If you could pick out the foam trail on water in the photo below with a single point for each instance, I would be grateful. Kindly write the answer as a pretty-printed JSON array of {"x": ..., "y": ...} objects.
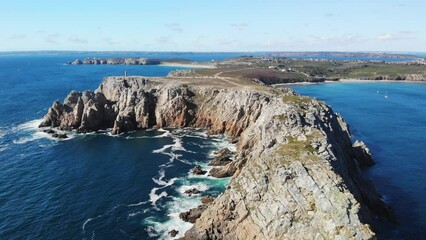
[
  {"x": 2, "y": 133},
  {"x": 31, "y": 132},
  {"x": 89, "y": 220},
  {"x": 4, "y": 147}
]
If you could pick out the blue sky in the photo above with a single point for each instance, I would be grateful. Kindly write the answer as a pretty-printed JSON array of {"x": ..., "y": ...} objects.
[{"x": 213, "y": 25}]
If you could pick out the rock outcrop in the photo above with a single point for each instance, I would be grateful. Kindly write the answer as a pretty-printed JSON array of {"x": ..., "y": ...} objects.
[
  {"x": 223, "y": 157},
  {"x": 117, "y": 61},
  {"x": 295, "y": 174}
]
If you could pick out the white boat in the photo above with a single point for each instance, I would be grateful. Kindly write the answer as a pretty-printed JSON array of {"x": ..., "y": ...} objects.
[{"x": 386, "y": 94}]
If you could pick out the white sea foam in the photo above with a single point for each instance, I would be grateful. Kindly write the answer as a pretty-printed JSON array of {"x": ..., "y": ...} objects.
[
  {"x": 137, "y": 204},
  {"x": 160, "y": 181},
  {"x": 153, "y": 197},
  {"x": 200, "y": 186},
  {"x": 4, "y": 147},
  {"x": 28, "y": 126},
  {"x": 29, "y": 132},
  {"x": 175, "y": 207},
  {"x": 32, "y": 137},
  {"x": 163, "y": 135},
  {"x": 181, "y": 203},
  {"x": 2, "y": 133},
  {"x": 89, "y": 220}
]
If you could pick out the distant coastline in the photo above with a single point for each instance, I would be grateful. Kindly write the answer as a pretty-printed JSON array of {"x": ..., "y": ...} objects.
[{"x": 174, "y": 62}]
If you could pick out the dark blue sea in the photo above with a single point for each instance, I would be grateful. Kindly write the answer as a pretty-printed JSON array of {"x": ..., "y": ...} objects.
[
  {"x": 395, "y": 130},
  {"x": 93, "y": 186}
]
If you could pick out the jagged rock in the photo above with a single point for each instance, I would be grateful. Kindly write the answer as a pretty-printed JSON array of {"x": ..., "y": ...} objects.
[
  {"x": 207, "y": 199},
  {"x": 225, "y": 171},
  {"x": 222, "y": 158},
  {"x": 362, "y": 154},
  {"x": 193, "y": 214},
  {"x": 49, "y": 131},
  {"x": 192, "y": 191},
  {"x": 294, "y": 175},
  {"x": 220, "y": 173},
  {"x": 77, "y": 62},
  {"x": 198, "y": 170},
  {"x": 173, "y": 233},
  {"x": 59, "y": 135},
  {"x": 233, "y": 140}
]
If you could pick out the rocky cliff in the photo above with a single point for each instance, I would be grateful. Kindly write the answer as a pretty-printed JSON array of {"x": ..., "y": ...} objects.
[{"x": 296, "y": 174}]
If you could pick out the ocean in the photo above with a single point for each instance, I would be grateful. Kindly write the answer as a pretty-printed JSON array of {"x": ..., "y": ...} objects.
[
  {"x": 98, "y": 186},
  {"x": 395, "y": 131},
  {"x": 93, "y": 186}
]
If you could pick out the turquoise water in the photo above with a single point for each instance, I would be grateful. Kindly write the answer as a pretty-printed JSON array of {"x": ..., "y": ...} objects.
[
  {"x": 94, "y": 186},
  {"x": 395, "y": 130}
]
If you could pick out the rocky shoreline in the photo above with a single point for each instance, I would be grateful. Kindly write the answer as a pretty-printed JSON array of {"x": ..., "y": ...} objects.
[
  {"x": 295, "y": 174},
  {"x": 126, "y": 61}
]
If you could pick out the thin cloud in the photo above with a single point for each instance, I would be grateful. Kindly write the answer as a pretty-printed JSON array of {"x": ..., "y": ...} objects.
[
  {"x": 163, "y": 39},
  {"x": 199, "y": 41},
  {"x": 77, "y": 40},
  {"x": 385, "y": 37},
  {"x": 401, "y": 35},
  {"x": 52, "y": 38},
  {"x": 239, "y": 26},
  {"x": 18, "y": 36},
  {"x": 110, "y": 41},
  {"x": 174, "y": 27}
]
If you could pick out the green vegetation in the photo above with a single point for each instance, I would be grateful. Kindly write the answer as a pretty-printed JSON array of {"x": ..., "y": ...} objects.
[
  {"x": 253, "y": 72},
  {"x": 389, "y": 71},
  {"x": 297, "y": 99},
  {"x": 295, "y": 150}
]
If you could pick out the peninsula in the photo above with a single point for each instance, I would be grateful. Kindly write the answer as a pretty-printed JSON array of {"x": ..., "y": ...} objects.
[
  {"x": 296, "y": 173},
  {"x": 271, "y": 69}
]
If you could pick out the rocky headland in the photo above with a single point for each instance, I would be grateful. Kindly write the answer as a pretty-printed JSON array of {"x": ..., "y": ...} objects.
[{"x": 295, "y": 175}]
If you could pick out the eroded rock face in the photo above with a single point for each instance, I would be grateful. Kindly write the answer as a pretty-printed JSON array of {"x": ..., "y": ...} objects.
[
  {"x": 362, "y": 154},
  {"x": 223, "y": 157},
  {"x": 193, "y": 214},
  {"x": 295, "y": 173}
]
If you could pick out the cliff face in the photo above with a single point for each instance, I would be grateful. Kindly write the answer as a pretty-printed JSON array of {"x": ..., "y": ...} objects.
[{"x": 297, "y": 175}]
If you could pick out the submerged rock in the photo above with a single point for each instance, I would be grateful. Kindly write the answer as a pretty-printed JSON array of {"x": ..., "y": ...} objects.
[
  {"x": 173, "y": 233},
  {"x": 48, "y": 131},
  {"x": 198, "y": 170},
  {"x": 192, "y": 191},
  {"x": 59, "y": 135}
]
